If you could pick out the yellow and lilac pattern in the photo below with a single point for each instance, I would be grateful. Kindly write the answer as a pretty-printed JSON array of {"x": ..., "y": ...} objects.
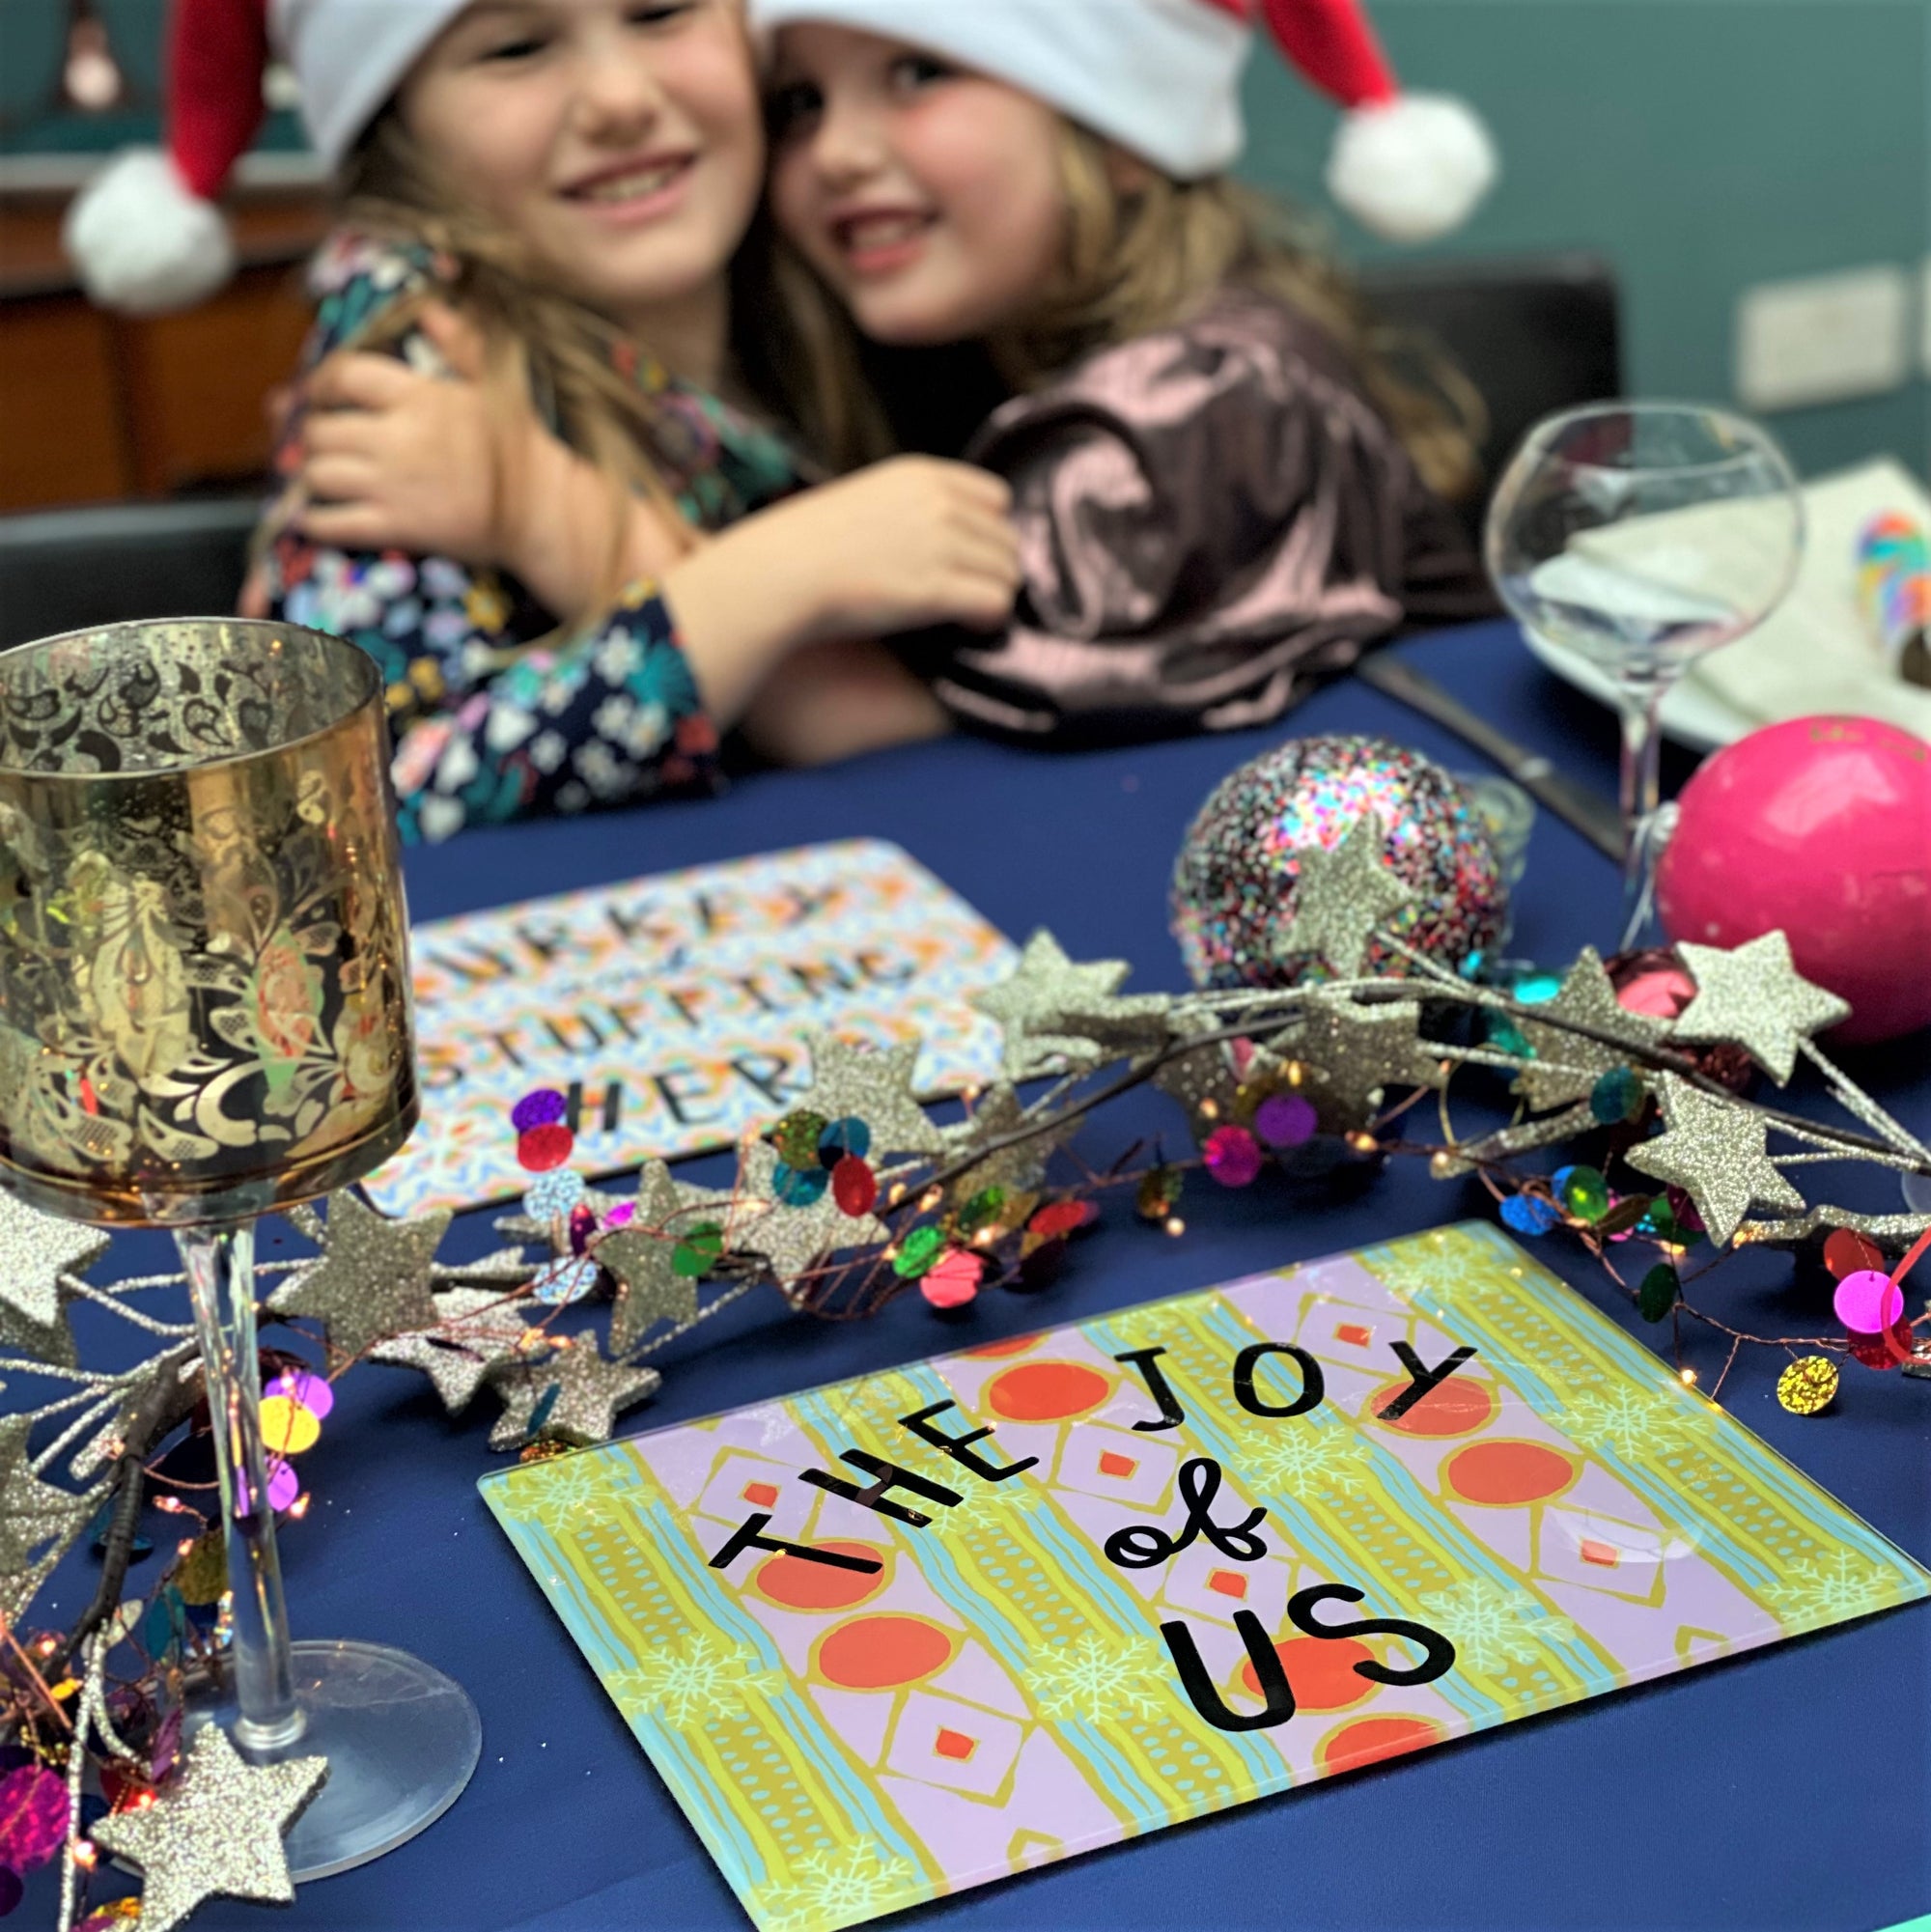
[
  {"x": 998, "y": 1688},
  {"x": 672, "y": 1010}
]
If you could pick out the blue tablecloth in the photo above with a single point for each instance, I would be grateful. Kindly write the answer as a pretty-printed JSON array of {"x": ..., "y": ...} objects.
[{"x": 1788, "y": 1788}]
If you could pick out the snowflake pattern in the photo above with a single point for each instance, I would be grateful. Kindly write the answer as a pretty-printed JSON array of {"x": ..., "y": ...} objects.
[
  {"x": 699, "y": 1678},
  {"x": 566, "y": 1493},
  {"x": 1307, "y": 1464},
  {"x": 1097, "y": 1679},
  {"x": 1844, "y": 1586},
  {"x": 1634, "y": 1423},
  {"x": 835, "y": 1888},
  {"x": 1493, "y": 1626}
]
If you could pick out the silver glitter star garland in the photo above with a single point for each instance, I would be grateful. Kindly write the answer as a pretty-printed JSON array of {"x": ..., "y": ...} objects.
[{"x": 1351, "y": 1046}]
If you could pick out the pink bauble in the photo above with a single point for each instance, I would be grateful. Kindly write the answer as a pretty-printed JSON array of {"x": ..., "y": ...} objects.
[{"x": 1820, "y": 827}]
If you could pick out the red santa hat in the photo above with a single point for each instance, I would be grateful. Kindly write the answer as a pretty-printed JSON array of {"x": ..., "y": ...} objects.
[
  {"x": 1163, "y": 78},
  {"x": 147, "y": 235}
]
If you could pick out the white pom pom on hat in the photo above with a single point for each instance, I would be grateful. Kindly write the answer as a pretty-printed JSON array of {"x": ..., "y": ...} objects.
[
  {"x": 147, "y": 235},
  {"x": 1163, "y": 78}
]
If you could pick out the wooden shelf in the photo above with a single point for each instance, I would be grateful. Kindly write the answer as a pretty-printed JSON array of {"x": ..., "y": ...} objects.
[{"x": 96, "y": 407}]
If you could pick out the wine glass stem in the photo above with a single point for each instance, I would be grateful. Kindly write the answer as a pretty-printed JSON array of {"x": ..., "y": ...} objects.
[
  {"x": 1641, "y": 702},
  {"x": 220, "y": 1265}
]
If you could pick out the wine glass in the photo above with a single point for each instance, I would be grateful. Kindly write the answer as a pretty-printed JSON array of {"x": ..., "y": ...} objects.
[
  {"x": 1640, "y": 535},
  {"x": 204, "y": 1014}
]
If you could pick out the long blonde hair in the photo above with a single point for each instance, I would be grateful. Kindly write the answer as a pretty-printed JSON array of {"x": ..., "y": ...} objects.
[
  {"x": 1144, "y": 251},
  {"x": 548, "y": 347}
]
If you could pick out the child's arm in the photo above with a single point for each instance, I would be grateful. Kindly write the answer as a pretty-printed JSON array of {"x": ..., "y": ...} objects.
[
  {"x": 409, "y": 456},
  {"x": 838, "y": 699},
  {"x": 490, "y": 730}
]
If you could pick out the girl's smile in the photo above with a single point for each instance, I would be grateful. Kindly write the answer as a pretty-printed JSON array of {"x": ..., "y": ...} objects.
[
  {"x": 930, "y": 198},
  {"x": 620, "y": 141}
]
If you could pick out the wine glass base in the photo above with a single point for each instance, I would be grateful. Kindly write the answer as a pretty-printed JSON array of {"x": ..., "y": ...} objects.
[{"x": 401, "y": 1740}]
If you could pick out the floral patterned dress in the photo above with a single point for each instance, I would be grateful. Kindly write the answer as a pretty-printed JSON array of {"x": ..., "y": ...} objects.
[{"x": 487, "y": 725}]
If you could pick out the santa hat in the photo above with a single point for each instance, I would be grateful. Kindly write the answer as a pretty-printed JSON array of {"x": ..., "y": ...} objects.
[
  {"x": 147, "y": 235},
  {"x": 1162, "y": 77}
]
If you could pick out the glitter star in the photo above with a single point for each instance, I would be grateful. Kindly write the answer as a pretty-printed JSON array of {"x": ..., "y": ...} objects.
[
  {"x": 1714, "y": 1150},
  {"x": 794, "y": 1241},
  {"x": 38, "y": 1520},
  {"x": 1017, "y": 1168},
  {"x": 875, "y": 1085},
  {"x": 1342, "y": 897},
  {"x": 1589, "y": 997},
  {"x": 36, "y": 1249},
  {"x": 478, "y": 1329},
  {"x": 213, "y": 1831},
  {"x": 1352, "y": 1054},
  {"x": 1204, "y": 1078},
  {"x": 639, "y": 1258},
  {"x": 1057, "y": 1012},
  {"x": 589, "y": 1394},
  {"x": 1754, "y": 996},
  {"x": 373, "y": 1280}
]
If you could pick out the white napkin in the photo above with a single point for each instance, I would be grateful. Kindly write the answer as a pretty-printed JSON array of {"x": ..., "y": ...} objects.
[{"x": 1815, "y": 652}]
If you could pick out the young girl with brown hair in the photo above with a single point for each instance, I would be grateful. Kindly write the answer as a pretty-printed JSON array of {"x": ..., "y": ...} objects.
[
  {"x": 585, "y": 555},
  {"x": 1225, "y": 485}
]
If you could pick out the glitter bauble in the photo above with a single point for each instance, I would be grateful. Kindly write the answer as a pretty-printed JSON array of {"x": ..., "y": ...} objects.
[{"x": 1236, "y": 881}]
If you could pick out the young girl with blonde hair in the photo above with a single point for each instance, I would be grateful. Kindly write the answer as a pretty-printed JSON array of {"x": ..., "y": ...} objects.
[
  {"x": 529, "y": 469},
  {"x": 1224, "y": 485}
]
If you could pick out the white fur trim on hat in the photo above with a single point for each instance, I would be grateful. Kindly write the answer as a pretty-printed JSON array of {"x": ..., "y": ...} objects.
[
  {"x": 349, "y": 56},
  {"x": 141, "y": 241},
  {"x": 1412, "y": 168},
  {"x": 1164, "y": 81}
]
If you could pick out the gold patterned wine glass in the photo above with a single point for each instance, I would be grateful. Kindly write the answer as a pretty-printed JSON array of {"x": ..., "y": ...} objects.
[{"x": 205, "y": 1015}]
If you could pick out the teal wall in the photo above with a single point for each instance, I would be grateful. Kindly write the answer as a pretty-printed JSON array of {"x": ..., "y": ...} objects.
[{"x": 1699, "y": 144}]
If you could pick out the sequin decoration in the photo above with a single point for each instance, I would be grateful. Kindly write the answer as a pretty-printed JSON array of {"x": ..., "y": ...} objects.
[
  {"x": 1656, "y": 1294},
  {"x": 1867, "y": 1302},
  {"x": 854, "y": 1185},
  {"x": 557, "y": 1192},
  {"x": 953, "y": 1280},
  {"x": 544, "y": 1107},
  {"x": 796, "y": 1138},
  {"x": 1063, "y": 1217},
  {"x": 541, "y": 1148},
  {"x": 1233, "y": 1156},
  {"x": 1585, "y": 1193},
  {"x": 917, "y": 1253},
  {"x": 1529, "y": 1215},
  {"x": 564, "y": 1283},
  {"x": 1618, "y": 1096},
  {"x": 1809, "y": 1385},
  {"x": 1237, "y": 878},
  {"x": 800, "y": 1187},
  {"x": 1845, "y": 1251},
  {"x": 1286, "y": 1120},
  {"x": 849, "y": 1137},
  {"x": 1158, "y": 1194}
]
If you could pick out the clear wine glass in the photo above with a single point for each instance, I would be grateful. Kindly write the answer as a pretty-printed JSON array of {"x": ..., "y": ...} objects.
[
  {"x": 204, "y": 1014},
  {"x": 1642, "y": 534}
]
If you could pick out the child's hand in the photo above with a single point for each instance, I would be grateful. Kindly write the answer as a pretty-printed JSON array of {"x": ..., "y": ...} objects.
[
  {"x": 899, "y": 545},
  {"x": 394, "y": 459},
  {"x": 906, "y": 544}
]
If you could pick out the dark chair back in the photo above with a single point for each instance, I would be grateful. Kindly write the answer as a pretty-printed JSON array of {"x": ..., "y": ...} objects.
[
  {"x": 70, "y": 570},
  {"x": 1533, "y": 335}
]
